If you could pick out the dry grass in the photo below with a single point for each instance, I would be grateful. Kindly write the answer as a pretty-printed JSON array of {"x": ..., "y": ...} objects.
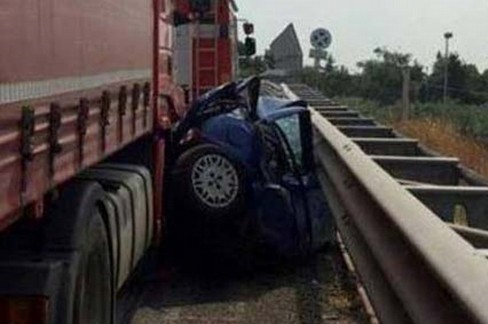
[{"x": 442, "y": 137}]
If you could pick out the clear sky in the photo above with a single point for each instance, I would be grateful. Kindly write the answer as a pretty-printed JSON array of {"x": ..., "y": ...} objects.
[{"x": 359, "y": 26}]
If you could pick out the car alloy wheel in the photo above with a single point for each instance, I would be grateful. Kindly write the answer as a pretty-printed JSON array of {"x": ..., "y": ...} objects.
[{"x": 215, "y": 180}]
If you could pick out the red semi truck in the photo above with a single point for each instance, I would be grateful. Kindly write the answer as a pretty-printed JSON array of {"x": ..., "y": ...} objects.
[{"x": 87, "y": 96}]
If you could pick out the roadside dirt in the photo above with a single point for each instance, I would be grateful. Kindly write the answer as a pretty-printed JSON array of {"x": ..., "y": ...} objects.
[{"x": 319, "y": 291}]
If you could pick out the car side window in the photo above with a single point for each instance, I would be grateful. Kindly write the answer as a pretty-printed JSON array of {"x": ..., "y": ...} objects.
[{"x": 290, "y": 126}]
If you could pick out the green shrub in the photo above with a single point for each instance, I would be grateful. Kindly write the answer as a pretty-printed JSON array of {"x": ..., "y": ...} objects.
[{"x": 469, "y": 120}]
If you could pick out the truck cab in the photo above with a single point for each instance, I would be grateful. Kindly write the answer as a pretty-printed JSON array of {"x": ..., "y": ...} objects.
[{"x": 206, "y": 44}]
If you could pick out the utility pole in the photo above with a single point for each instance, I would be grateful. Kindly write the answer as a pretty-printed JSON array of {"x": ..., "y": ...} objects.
[
  {"x": 406, "y": 94},
  {"x": 447, "y": 36}
]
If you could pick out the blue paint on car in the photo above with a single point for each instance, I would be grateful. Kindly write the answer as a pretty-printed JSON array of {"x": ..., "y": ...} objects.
[{"x": 272, "y": 139}]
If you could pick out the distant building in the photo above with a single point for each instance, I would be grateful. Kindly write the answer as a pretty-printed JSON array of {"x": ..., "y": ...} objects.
[{"x": 286, "y": 51}]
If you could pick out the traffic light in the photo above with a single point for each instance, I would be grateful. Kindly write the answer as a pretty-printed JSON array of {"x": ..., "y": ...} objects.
[
  {"x": 250, "y": 44},
  {"x": 248, "y": 28}
]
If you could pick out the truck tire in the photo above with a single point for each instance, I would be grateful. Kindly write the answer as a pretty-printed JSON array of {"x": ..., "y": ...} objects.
[
  {"x": 76, "y": 232},
  {"x": 210, "y": 185},
  {"x": 93, "y": 291}
]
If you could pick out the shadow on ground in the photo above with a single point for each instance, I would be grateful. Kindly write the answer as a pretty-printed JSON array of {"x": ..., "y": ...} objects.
[{"x": 317, "y": 291}]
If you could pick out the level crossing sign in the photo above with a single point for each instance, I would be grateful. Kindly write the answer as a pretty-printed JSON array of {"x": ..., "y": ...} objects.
[{"x": 320, "y": 40}]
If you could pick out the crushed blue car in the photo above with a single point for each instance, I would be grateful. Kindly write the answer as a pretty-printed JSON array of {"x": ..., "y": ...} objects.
[{"x": 248, "y": 159}]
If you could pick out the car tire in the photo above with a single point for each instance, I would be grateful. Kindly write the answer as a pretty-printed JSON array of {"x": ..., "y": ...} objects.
[{"x": 210, "y": 185}]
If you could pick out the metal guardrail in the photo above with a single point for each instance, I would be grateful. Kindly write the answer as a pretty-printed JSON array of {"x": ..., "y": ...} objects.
[{"x": 414, "y": 266}]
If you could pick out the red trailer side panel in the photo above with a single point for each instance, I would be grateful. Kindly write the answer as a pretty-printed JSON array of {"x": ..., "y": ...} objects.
[
  {"x": 76, "y": 85},
  {"x": 48, "y": 39}
]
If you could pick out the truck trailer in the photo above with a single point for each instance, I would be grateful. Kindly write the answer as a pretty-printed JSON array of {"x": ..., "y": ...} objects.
[{"x": 87, "y": 100}]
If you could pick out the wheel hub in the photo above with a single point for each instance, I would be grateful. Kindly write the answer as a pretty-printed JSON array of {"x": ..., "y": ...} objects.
[{"x": 215, "y": 180}]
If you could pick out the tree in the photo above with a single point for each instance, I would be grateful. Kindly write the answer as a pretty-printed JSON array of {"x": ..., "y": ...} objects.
[
  {"x": 251, "y": 66},
  {"x": 329, "y": 64},
  {"x": 334, "y": 81},
  {"x": 483, "y": 85},
  {"x": 382, "y": 77},
  {"x": 465, "y": 83}
]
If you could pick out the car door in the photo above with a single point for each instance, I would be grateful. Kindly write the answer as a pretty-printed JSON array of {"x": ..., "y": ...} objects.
[{"x": 311, "y": 208}]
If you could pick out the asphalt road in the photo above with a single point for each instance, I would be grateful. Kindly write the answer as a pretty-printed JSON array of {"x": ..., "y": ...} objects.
[{"x": 319, "y": 291}]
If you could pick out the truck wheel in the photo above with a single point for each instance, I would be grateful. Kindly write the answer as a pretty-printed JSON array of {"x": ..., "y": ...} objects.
[
  {"x": 210, "y": 183},
  {"x": 93, "y": 284},
  {"x": 75, "y": 232}
]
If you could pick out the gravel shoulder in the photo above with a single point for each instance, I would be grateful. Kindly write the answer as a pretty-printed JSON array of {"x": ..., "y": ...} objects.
[{"x": 320, "y": 291}]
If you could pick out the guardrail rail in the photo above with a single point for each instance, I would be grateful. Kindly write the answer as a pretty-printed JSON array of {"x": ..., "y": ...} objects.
[{"x": 394, "y": 204}]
